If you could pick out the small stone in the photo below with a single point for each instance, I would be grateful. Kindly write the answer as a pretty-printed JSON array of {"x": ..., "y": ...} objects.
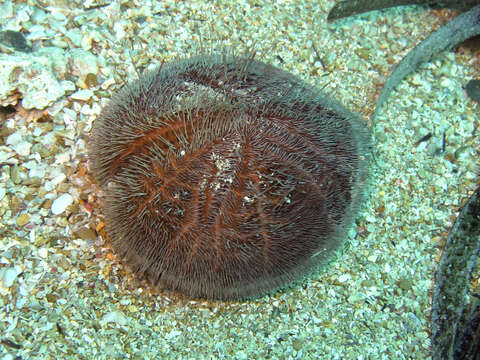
[
  {"x": 132, "y": 308},
  {"x": 68, "y": 85},
  {"x": 115, "y": 317},
  {"x": 40, "y": 241},
  {"x": 14, "y": 203},
  {"x": 47, "y": 204},
  {"x": 15, "y": 40},
  {"x": 61, "y": 204},
  {"x": 107, "y": 83},
  {"x": 37, "y": 171},
  {"x": 23, "y": 148},
  {"x": 363, "y": 53},
  {"x": 5, "y": 157},
  {"x": 91, "y": 80},
  {"x": 297, "y": 344},
  {"x": 405, "y": 284},
  {"x": 23, "y": 219},
  {"x": 82, "y": 95},
  {"x": 473, "y": 90},
  {"x": 16, "y": 175},
  {"x": 42, "y": 150},
  {"x": 448, "y": 83},
  {"x": 85, "y": 233},
  {"x": 368, "y": 283},
  {"x": 75, "y": 36},
  {"x": 14, "y": 139},
  {"x": 51, "y": 298},
  {"x": 43, "y": 252},
  {"x": 83, "y": 63},
  {"x": 9, "y": 277}
]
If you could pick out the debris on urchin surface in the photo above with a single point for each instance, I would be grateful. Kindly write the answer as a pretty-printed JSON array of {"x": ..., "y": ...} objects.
[{"x": 225, "y": 177}]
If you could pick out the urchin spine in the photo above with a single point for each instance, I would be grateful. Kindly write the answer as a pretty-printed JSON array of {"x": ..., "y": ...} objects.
[{"x": 227, "y": 177}]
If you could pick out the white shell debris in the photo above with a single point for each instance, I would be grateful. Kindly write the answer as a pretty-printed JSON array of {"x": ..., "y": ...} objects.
[
  {"x": 18, "y": 143},
  {"x": 83, "y": 63},
  {"x": 9, "y": 276},
  {"x": 33, "y": 76},
  {"x": 61, "y": 203},
  {"x": 82, "y": 95},
  {"x": 115, "y": 317}
]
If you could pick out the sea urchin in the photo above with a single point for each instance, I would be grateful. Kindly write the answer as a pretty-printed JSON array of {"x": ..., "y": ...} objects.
[{"x": 225, "y": 177}]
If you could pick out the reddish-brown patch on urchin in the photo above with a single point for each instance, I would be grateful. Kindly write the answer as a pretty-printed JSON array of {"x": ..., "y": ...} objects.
[{"x": 226, "y": 177}]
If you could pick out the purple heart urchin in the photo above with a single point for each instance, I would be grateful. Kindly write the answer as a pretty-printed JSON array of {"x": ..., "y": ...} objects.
[{"x": 225, "y": 177}]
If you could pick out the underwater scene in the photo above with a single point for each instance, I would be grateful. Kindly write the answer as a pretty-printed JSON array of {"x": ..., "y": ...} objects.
[{"x": 239, "y": 179}]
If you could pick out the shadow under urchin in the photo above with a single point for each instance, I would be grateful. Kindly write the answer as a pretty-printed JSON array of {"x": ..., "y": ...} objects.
[{"x": 224, "y": 177}]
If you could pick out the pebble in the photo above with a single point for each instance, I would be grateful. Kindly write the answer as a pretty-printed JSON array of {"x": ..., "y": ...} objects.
[
  {"x": 83, "y": 63},
  {"x": 18, "y": 143},
  {"x": 473, "y": 90},
  {"x": 15, "y": 40},
  {"x": 344, "y": 277},
  {"x": 5, "y": 157},
  {"x": 23, "y": 148},
  {"x": 23, "y": 219},
  {"x": 115, "y": 317},
  {"x": 14, "y": 139},
  {"x": 16, "y": 175},
  {"x": 58, "y": 179},
  {"x": 329, "y": 314},
  {"x": 297, "y": 344},
  {"x": 85, "y": 233},
  {"x": 61, "y": 203},
  {"x": 82, "y": 95},
  {"x": 36, "y": 171},
  {"x": 68, "y": 85},
  {"x": 9, "y": 277},
  {"x": 43, "y": 252}
]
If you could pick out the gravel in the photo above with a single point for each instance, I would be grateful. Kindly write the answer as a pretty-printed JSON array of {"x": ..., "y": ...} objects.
[{"x": 65, "y": 294}]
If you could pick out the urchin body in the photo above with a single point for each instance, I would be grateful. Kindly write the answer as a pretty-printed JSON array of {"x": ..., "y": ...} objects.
[{"x": 226, "y": 177}]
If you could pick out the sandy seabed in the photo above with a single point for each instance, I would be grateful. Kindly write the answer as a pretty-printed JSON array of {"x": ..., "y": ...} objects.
[{"x": 65, "y": 294}]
